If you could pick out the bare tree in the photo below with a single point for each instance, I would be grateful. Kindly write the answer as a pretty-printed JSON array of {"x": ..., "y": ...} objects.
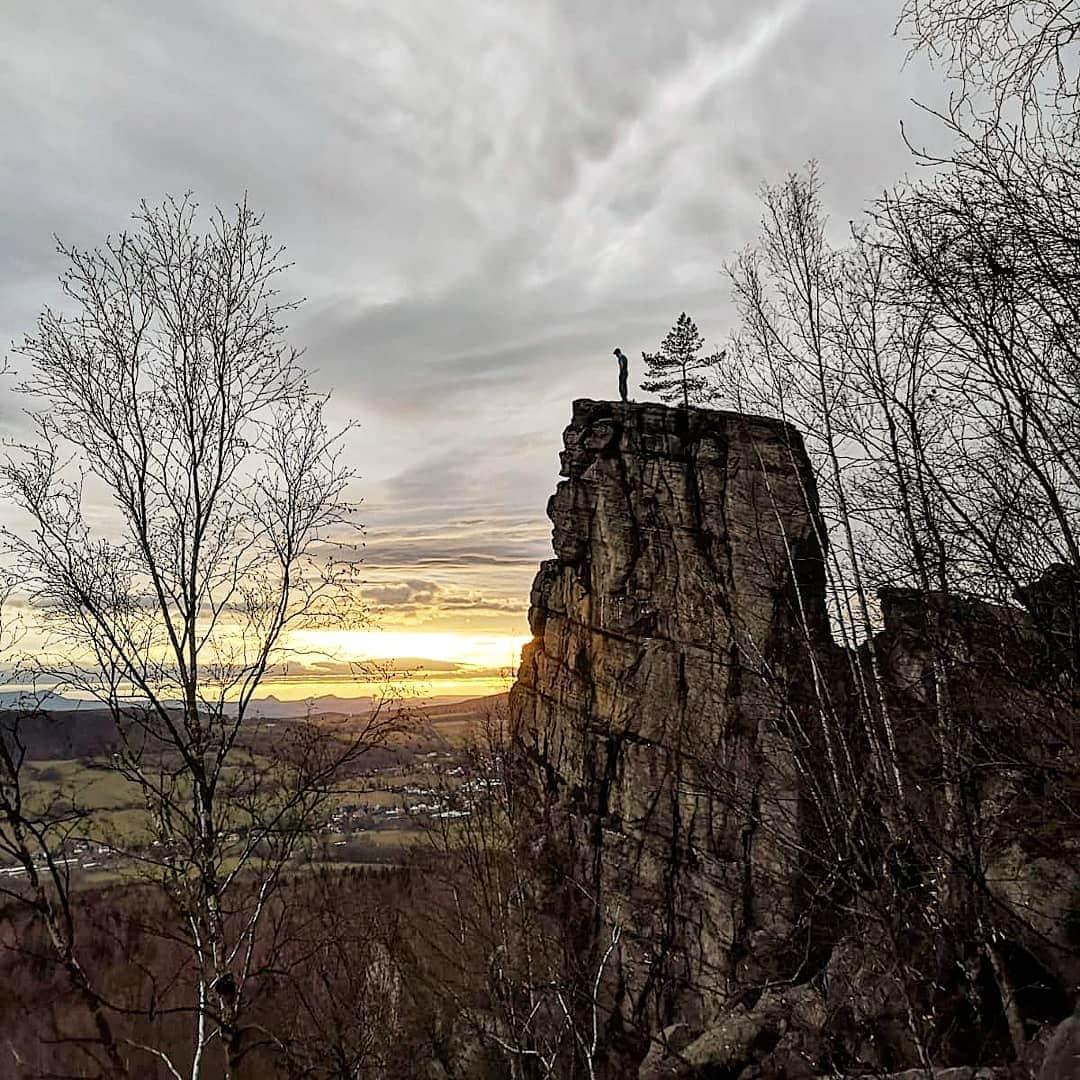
[
  {"x": 922, "y": 478},
  {"x": 986, "y": 246},
  {"x": 522, "y": 966},
  {"x": 1014, "y": 50},
  {"x": 170, "y": 395}
]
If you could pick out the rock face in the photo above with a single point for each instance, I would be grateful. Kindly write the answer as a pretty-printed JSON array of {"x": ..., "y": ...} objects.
[
  {"x": 696, "y": 750},
  {"x": 670, "y": 634},
  {"x": 1063, "y": 1052}
]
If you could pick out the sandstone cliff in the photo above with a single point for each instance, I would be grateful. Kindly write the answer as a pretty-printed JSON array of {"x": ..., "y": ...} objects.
[
  {"x": 673, "y": 626},
  {"x": 681, "y": 710}
]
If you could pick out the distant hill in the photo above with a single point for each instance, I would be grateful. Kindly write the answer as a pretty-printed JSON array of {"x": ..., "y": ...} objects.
[
  {"x": 274, "y": 708},
  {"x": 42, "y": 699},
  {"x": 66, "y": 733},
  {"x": 67, "y": 729},
  {"x": 457, "y": 710}
]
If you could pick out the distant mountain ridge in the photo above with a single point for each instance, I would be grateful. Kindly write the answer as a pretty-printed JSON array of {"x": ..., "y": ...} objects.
[{"x": 56, "y": 728}]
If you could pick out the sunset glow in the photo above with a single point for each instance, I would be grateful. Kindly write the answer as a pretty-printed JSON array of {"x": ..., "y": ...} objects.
[
  {"x": 427, "y": 665},
  {"x": 493, "y": 652}
]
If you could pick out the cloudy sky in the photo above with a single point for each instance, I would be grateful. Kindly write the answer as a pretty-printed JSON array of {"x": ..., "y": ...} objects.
[{"x": 482, "y": 198}]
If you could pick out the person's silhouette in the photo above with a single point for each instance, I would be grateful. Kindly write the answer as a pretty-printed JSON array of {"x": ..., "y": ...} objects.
[{"x": 623, "y": 373}]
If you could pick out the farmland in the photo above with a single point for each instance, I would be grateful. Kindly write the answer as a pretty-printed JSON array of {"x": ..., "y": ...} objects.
[{"x": 100, "y": 825}]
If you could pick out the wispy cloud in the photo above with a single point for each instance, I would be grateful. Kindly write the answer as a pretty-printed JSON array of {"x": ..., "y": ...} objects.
[{"x": 482, "y": 198}]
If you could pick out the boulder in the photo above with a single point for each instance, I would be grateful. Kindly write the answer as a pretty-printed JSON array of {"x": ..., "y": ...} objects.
[{"x": 1062, "y": 1059}]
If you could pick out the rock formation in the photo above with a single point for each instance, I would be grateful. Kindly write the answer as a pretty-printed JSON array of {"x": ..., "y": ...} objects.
[
  {"x": 670, "y": 631},
  {"x": 673, "y": 710}
]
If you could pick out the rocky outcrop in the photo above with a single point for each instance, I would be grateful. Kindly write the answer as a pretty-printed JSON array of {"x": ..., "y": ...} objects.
[
  {"x": 670, "y": 632},
  {"x": 1016, "y": 730},
  {"x": 699, "y": 764},
  {"x": 779, "y": 1037},
  {"x": 1062, "y": 1058}
]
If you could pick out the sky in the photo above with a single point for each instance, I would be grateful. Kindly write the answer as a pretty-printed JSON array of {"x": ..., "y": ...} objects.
[{"x": 481, "y": 199}]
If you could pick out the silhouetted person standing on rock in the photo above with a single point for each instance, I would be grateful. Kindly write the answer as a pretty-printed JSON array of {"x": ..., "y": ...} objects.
[{"x": 623, "y": 373}]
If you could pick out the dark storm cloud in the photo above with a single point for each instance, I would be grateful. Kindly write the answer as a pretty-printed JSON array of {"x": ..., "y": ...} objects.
[{"x": 482, "y": 197}]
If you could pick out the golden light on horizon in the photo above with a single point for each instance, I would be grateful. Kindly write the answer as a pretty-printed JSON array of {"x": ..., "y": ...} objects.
[{"x": 488, "y": 651}]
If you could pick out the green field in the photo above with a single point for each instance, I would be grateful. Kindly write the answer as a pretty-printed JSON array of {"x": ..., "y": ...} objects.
[
  {"x": 94, "y": 802},
  {"x": 101, "y": 824}
]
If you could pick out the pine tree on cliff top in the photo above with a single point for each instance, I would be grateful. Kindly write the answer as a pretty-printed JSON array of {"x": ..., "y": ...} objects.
[{"x": 675, "y": 370}]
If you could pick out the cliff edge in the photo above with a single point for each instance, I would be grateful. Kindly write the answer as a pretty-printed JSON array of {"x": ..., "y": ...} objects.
[{"x": 675, "y": 623}]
